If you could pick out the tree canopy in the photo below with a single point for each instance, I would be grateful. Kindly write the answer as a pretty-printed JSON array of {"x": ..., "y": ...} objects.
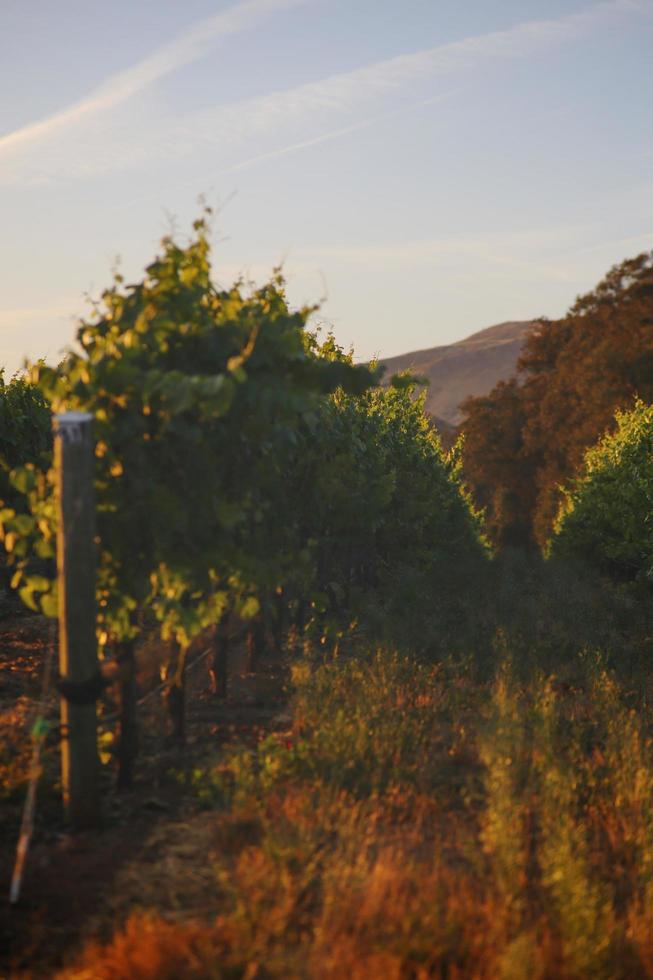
[{"x": 529, "y": 435}]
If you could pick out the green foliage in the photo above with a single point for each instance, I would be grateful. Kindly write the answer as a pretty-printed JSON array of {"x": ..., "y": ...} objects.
[
  {"x": 607, "y": 514},
  {"x": 25, "y": 431},
  {"x": 383, "y": 527},
  {"x": 242, "y": 462},
  {"x": 368, "y": 725},
  {"x": 25, "y": 455},
  {"x": 196, "y": 393},
  {"x": 362, "y": 726}
]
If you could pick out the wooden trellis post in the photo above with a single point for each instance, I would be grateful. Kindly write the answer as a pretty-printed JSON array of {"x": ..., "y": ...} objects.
[{"x": 76, "y": 569}]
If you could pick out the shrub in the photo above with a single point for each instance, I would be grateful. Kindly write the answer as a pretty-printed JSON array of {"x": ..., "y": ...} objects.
[{"x": 607, "y": 514}]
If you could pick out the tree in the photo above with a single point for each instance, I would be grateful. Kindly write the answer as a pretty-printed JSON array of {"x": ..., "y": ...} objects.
[
  {"x": 524, "y": 440},
  {"x": 497, "y": 465}
]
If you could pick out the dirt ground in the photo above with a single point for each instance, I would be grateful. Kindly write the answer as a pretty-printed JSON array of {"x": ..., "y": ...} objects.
[{"x": 152, "y": 848}]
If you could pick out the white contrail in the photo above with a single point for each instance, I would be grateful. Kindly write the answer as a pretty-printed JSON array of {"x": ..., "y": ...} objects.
[
  {"x": 224, "y": 125},
  {"x": 13, "y": 319},
  {"x": 645, "y": 239},
  {"x": 190, "y": 46},
  {"x": 331, "y": 135},
  {"x": 350, "y": 88}
]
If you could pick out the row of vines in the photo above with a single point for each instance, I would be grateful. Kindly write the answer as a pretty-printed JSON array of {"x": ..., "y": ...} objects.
[
  {"x": 248, "y": 472},
  {"x": 245, "y": 471}
]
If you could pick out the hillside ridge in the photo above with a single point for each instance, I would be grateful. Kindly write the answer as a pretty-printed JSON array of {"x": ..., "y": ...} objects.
[{"x": 471, "y": 366}]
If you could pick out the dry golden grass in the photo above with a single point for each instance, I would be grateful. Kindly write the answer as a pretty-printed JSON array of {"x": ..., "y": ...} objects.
[{"x": 419, "y": 823}]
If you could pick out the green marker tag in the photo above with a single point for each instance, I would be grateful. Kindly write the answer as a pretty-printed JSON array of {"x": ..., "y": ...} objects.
[{"x": 40, "y": 728}]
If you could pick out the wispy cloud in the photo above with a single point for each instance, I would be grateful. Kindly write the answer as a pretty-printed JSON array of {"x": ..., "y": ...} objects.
[
  {"x": 345, "y": 89},
  {"x": 348, "y": 92},
  {"x": 330, "y": 135},
  {"x": 533, "y": 251},
  {"x": 292, "y": 119},
  {"x": 14, "y": 319},
  {"x": 643, "y": 241},
  {"x": 554, "y": 254},
  {"x": 188, "y": 47}
]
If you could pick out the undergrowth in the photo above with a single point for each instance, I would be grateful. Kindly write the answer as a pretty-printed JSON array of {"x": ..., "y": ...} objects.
[{"x": 424, "y": 820}]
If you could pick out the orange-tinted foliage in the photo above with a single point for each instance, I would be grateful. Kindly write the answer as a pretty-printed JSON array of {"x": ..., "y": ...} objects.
[
  {"x": 520, "y": 846},
  {"x": 528, "y": 436}
]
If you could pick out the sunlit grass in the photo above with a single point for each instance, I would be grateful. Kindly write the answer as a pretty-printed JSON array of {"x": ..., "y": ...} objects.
[{"x": 416, "y": 823}]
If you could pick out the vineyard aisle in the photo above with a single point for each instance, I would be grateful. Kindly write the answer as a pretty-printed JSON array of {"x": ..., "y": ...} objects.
[{"x": 153, "y": 850}]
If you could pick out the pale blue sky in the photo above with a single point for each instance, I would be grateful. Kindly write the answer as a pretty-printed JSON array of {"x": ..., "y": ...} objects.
[{"x": 431, "y": 166}]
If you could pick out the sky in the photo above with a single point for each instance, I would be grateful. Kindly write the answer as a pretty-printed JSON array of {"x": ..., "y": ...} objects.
[{"x": 425, "y": 168}]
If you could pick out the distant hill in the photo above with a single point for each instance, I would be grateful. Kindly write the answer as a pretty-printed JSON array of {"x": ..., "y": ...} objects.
[{"x": 469, "y": 367}]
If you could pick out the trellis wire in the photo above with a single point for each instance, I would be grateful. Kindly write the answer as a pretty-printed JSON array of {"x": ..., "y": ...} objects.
[{"x": 39, "y": 732}]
